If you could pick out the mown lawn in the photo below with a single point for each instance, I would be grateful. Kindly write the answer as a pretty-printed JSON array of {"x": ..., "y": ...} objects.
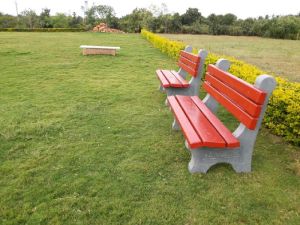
[
  {"x": 280, "y": 57},
  {"x": 88, "y": 140}
]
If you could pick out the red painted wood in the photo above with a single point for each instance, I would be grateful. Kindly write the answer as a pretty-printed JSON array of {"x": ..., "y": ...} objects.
[
  {"x": 174, "y": 82},
  {"x": 248, "y": 90},
  {"x": 188, "y": 130},
  {"x": 238, "y": 112},
  {"x": 208, "y": 134},
  {"x": 189, "y": 63},
  {"x": 190, "y": 56},
  {"x": 249, "y": 106},
  {"x": 180, "y": 78},
  {"x": 231, "y": 141},
  {"x": 164, "y": 82},
  {"x": 188, "y": 69}
]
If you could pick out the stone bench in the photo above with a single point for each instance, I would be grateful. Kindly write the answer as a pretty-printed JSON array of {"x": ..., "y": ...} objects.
[
  {"x": 99, "y": 50},
  {"x": 207, "y": 138},
  {"x": 175, "y": 83}
]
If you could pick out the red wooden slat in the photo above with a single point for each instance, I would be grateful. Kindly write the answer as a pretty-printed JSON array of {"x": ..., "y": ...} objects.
[
  {"x": 188, "y": 130},
  {"x": 188, "y": 63},
  {"x": 188, "y": 69},
  {"x": 171, "y": 78},
  {"x": 249, "y": 106},
  {"x": 165, "y": 83},
  {"x": 208, "y": 134},
  {"x": 239, "y": 113},
  {"x": 238, "y": 84},
  {"x": 190, "y": 56},
  {"x": 223, "y": 131},
  {"x": 180, "y": 78}
]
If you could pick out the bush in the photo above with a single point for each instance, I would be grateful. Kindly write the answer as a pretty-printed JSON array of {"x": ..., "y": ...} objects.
[
  {"x": 42, "y": 30},
  {"x": 282, "y": 116},
  {"x": 171, "y": 48}
]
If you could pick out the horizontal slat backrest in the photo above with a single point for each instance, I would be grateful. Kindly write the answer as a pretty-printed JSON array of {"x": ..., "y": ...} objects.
[
  {"x": 189, "y": 62},
  {"x": 240, "y": 98}
]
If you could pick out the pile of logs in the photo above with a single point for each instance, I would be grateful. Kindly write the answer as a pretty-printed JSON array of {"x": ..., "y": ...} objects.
[{"x": 102, "y": 27}]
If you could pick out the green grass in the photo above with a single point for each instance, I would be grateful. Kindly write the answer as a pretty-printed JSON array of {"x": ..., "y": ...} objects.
[
  {"x": 280, "y": 57},
  {"x": 88, "y": 140}
]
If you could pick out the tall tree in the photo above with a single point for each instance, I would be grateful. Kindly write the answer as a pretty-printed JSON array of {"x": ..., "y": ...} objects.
[
  {"x": 190, "y": 16},
  {"x": 45, "y": 19},
  {"x": 29, "y": 19}
]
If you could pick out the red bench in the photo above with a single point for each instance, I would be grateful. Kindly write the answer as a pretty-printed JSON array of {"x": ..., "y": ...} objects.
[
  {"x": 175, "y": 82},
  {"x": 207, "y": 138}
]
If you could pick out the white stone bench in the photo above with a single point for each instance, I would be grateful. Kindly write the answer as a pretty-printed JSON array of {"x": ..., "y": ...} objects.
[{"x": 96, "y": 50}]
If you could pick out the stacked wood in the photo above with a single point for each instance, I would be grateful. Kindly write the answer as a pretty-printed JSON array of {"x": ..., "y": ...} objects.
[{"x": 102, "y": 27}]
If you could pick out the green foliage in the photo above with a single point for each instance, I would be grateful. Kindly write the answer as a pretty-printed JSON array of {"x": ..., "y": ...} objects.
[
  {"x": 88, "y": 140},
  {"x": 171, "y": 48},
  {"x": 158, "y": 20},
  {"x": 282, "y": 116},
  {"x": 42, "y": 30},
  {"x": 100, "y": 13},
  {"x": 45, "y": 19}
]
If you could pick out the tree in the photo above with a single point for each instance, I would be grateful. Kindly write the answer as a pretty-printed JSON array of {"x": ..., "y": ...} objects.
[
  {"x": 190, "y": 16},
  {"x": 60, "y": 20},
  {"x": 75, "y": 21},
  {"x": 214, "y": 25},
  {"x": 138, "y": 19},
  {"x": 45, "y": 19},
  {"x": 7, "y": 21},
  {"x": 228, "y": 19},
  {"x": 29, "y": 19},
  {"x": 100, "y": 13}
]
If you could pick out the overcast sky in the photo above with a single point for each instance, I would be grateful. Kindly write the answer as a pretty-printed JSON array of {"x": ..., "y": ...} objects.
[{"x": 241, "y": 8}]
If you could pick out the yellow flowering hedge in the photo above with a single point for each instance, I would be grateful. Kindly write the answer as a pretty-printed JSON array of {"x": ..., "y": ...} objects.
[{"x": 283, "y": 113}]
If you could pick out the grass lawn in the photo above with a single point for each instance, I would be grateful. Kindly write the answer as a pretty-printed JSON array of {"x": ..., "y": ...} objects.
[
  {"x": 88, "y": 140},
  {"x": 280, "y": 57}
]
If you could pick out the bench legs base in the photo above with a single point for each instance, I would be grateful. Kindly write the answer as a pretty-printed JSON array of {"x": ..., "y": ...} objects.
[
  {"x": 161, "y": 88},
  {"x": 175, "y": 125},
  {"x": 204, "y": 158},
  {"x": 93, "y": 51}
]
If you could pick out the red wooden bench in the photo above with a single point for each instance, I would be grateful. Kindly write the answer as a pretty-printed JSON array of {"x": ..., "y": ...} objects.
[
  {"x": 207, "y": 138},
  {"x": 175, "y": 82}
]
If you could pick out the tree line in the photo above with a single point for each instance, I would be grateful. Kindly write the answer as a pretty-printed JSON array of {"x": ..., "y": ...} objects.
[{"x": 158, "y": 20}]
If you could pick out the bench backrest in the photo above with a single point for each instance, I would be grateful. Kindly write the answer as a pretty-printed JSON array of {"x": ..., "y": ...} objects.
[
  {"x": 189, "y": 62},
  {"x": 240, "y": 98}
]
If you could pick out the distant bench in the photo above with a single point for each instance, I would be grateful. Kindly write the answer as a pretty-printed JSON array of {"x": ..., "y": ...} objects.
[
  {"x": 207, "y": 138},
  {"x": 175, "y": 83},
  {"x": 99, "y": 50}
]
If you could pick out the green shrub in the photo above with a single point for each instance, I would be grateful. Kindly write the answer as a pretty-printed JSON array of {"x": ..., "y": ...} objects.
[
  {"x": 42, "y": 29},
  {"x": 283, "y": 113}
]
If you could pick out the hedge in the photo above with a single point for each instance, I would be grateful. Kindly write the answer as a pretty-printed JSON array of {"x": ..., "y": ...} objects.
[
  {"x": 283, "y": 113},
  {"x": 42, "y": 30}
]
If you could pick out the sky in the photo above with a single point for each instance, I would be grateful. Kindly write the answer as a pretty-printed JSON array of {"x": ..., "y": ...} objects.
[{"x": 241, "y": 8}]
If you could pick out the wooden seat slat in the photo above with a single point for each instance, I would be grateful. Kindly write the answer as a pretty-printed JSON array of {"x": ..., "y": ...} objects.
[
  {"x": 224, "y": 132},
  {"x": 249, "y": 106},
  {"x": 238, "y": 84},
  {"x": 183, "y": 81},
  {"x": 209, "y": 135},
  {"x": 188, "y": 130},
  {"x": 238, "y": 112},
  {"x": 165, "y": 83},
  {"x": 174, "y": 82}
]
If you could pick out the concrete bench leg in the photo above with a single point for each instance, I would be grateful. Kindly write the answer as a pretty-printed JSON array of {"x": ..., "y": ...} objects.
[
  {"x": 161, "y": 88},
  {"x": 204, "y": 158},
  {"x": 175, "y": 125}
]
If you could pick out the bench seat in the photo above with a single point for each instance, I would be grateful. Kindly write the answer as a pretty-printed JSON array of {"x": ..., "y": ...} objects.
[
  {"x": 200, "y": 126},
  {"x": 170, "y": 78},
  {"x": 96, "y": 50}
]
